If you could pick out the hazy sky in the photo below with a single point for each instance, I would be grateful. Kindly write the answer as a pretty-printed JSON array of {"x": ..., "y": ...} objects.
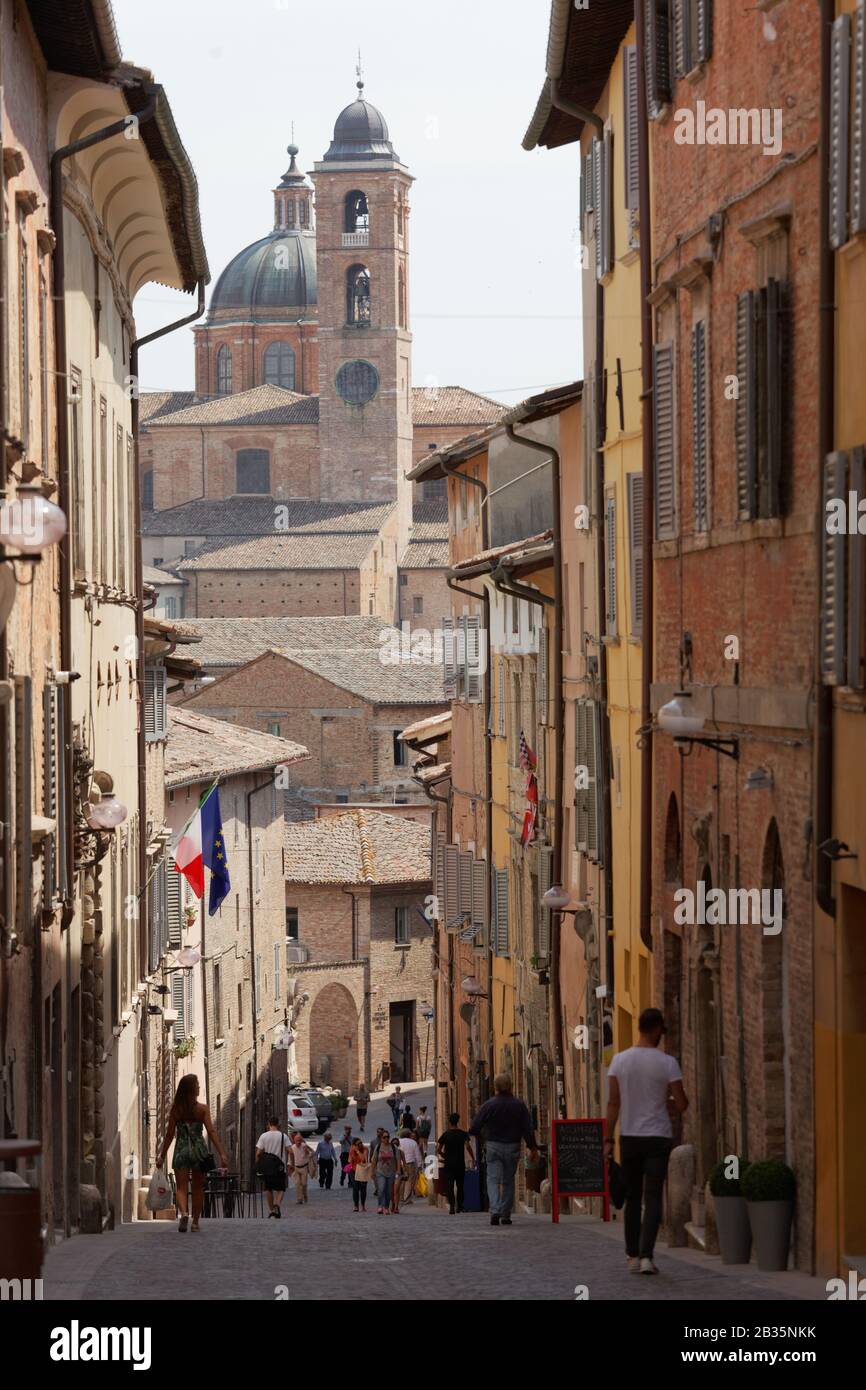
[{"x": 494, "y": 280}]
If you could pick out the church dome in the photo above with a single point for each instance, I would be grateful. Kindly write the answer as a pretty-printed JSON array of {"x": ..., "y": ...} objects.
[
  {"x": 361, "y": 132},
  {"x": 274, "y": 277}
]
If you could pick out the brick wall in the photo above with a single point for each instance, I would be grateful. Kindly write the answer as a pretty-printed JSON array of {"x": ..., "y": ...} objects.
[
  {"x": 272, "y": 593},
  {"x": 192, "y": 461},
  {"x": 248, "y": 343}
]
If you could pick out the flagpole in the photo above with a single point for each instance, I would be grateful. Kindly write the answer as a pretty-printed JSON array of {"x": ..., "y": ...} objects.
[{"x": 206, "y": 796}]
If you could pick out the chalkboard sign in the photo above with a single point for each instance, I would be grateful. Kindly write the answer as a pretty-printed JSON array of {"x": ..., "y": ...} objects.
[{"x": 579, "y": 1168}]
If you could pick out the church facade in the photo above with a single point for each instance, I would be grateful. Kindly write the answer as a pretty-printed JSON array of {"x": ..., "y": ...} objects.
[{"x": 278, "y": 486}]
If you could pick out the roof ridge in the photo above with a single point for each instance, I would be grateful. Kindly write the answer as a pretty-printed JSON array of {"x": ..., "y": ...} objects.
[{"x": 368, "y": 858}]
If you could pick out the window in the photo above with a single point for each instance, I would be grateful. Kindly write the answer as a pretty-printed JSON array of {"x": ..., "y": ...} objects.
[
  {"x": 843, "y": 577},
  {"x": 596, "y": 197},
  {"x": 290, "y": 212},
  {"x": 515, "y": 616},
  {"x": 224, "y": 371},
  {"x": 292, "y": 923},
  {"x": 240, "y": 1006},
  {"x": 342, "y": 798},
  {"x": 217, "y": 1000},
  {"x": 588, "y": 805},
  {"x": 23, "y": 327},
  {"x": 402, "y": 935},
  {"x": 147, "y": 491},
  {"x": 358, "y": 296},
  {"x": 258, "y": 986},
  {"x": 257, "y": 866},
  {"x": 417, "y": 603},
  {"x": 500, "y": 912},
  {"x": 278, "y": 366},
  {"x": 253, "y": 471},
  {"x": 79, "y": 540},
  {"x": 762, "y": 436},
  {"x": 693, "y": 34},
  {"x": 155, "y": 703},
  {"x": 847, "y": 190},
  {"x": 169, "y": 607},
  {"x": 463, "y": 656},
  {"x": 434, "y": 490},
  {"x": 357, "y": 212},
  {"x": 304, "y": 212},
  {"x": 401, "y": 752},
  {"x": 658, "y": 58},
  {"x": 401, "y": 298},
  {"x": 357, "y": 382},
  {"x": 274, "y": 728},
  {"x": 664, "y": 441},
  {"x": 700, "y": 426},
  {"x": 276, "y": 973},
  {"x": 635, "y": 535}
]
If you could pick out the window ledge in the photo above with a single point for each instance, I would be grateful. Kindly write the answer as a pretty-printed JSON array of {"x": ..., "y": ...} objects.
[
  {"x": 402, "y": 945},
  {"x": 696, "y": 75},
  {"x": 219, "y": 1042}
]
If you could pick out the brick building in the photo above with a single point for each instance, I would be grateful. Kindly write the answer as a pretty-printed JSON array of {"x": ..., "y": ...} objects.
[
  {"x": 357, "y": 889},
  {"x": 327, "y": 686}
]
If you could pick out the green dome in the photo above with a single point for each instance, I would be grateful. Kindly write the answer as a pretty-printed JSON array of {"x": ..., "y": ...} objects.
[{"x": 275, "y": 274}]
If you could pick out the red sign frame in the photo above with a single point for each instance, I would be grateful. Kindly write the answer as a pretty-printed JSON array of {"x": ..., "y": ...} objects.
[{"x": 605, "y": 1196}]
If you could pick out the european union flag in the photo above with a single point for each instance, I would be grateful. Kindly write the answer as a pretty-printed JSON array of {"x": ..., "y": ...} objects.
[{"x": 213, "y": 851}]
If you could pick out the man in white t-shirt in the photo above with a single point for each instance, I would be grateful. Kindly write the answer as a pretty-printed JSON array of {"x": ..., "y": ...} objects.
[
  {"x": 644, "y": 1087},
  {"x": 412, "y": 1159},
  {"x": 272, "y": 1151}
]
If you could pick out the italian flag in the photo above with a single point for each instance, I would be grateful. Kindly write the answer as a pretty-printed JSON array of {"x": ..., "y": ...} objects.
[{"x": 188, "y": 856}]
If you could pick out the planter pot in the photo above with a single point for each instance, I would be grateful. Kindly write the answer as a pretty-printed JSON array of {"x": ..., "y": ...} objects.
[
  {"x": 735, "y": 1233},
  {"x": 771, "y": 1232}
]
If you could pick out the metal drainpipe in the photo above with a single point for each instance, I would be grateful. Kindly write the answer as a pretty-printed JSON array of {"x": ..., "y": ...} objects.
[
  {"x": 826, "y": 436},
  {"x": 253, "y": 992},
  {"x": 647, "y": 617},
  {"x": 591, "y": 119},
  {"x": 559, "y": 756},
  {"x": 354, "y": 922},
  {"x": 65, "y": 470}
]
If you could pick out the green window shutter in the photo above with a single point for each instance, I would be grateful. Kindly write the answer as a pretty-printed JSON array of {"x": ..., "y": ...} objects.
[
  {"x": 700, "y": 426},
  {"x": 833, "y": 577},
  {"x": 664, "y": 441},
  {"x": 501, "y": 934},
  {"x": 840, "y": 43}
]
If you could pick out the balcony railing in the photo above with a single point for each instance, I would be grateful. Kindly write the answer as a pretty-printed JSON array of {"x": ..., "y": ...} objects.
[{"x": 361, "y": 238}]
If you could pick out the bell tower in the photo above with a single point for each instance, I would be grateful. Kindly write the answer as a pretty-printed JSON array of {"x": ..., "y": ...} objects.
[{"x": 365, "y": 346}]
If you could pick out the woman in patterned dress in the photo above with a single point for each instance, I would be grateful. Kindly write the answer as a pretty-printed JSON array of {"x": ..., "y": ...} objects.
[{"x": 187, "y": 1121}]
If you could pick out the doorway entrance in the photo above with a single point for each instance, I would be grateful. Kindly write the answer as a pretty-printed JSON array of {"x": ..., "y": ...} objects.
[{"x": 401, "y": 1018}]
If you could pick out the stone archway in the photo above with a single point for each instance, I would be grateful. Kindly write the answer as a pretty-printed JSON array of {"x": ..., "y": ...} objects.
[
  {"x": 774, "y": 1007},
  {"x": 334, "y": 1039}
]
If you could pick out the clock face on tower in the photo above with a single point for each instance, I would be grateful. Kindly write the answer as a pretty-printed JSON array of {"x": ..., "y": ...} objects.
[{"x": 357, "y": 382}]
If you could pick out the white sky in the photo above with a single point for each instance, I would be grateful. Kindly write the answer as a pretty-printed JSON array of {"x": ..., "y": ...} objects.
[{"x": 495, "y": 297}]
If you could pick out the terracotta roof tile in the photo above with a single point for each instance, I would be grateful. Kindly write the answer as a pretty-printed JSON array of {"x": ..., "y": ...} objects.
[
  {"x": 262, "y": 405},
  {"x": 358, "y": 846},
  {"x": 199, "y": 748},
  {"x": 235, "y": 641},
  {"x": 282, "y": 552}
]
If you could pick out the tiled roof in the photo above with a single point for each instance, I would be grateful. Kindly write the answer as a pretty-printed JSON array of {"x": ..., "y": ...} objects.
[
  {"x": 363, "y": 672},
  {"x": 154, "y": 404},
  {"x": 262, "y": 405},
  {"x": 358, "y": 846},
  {"x": 431, "y": 774},
  {"x": 257, "y": 516},
  {"x": 428, "y": 539},
  {"x": 235, "y": 641},
  {"x": 158, "y": 577},
  {"x": 453, "y": 405},
  {"x": 281, "y": 552},
  {"x": 439, "y": 724},
  {"x": 513, "y": 548},
  {"x": 431, "y": 512},
  {"x": 198, "y": 748}
]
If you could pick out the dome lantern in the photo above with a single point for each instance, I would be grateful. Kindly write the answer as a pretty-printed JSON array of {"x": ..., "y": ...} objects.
[{"x": 361, "y": 133}]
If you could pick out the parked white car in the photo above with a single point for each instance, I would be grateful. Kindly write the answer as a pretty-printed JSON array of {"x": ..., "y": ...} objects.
[{"x": 302, "y": 1114}]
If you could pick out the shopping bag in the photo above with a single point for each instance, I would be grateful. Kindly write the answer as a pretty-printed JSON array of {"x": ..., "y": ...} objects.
[
  {"x": 159, "y": 1194},
  {"x": 421, "y": 1185}
]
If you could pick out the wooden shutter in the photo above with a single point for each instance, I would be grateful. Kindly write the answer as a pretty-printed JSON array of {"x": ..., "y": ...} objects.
[
  {"x": 589, "y": 437},
  {"x": 178, "y": 1002},
  {"x": 500, "y": 912},
  {"x": 635, "y": 530},
  {"x": 173, "y": 906},
  {"x": 833, "y": 577},
  {"x": 681, "y": 22},
  {"x": 543, "y": 674},
  {"x": 856, "y": 673},
  {"x": 606, "y": 151},
  {"x": 503, "y": 686},
  {"x": 155, "y": 703},
  {"x": 593, "y": 762},
  {"x": 631, "y": 130},
  {"x": 158, "y": 914},
  {"x": 664, "y": 440},
  {"x": 858, "y": 124},
  {"x": 480, "y": 888},
  {"x": 658, "y": 63},
  {"x": 64, "y": 887},
  {"x": 598, "y": 204},
  {"x": 50, "y": 845},
  {"x": 700, "y": 425},
  {"x": 472, "y": 663},
  {"x": 24, "y": 808},
  {"x": 464, "y": 883},
  {"x": 840, "y": 42},
  {"x": 439, "y": 872},
  {"x": 452, "y": 891},
  {"x": 746, "y": 406},
  {"x": 586, "y": 820},
  {"x": 449, "y": 655},
  {"x": 703, "y": 39},
  {"x": 610, "y": 564},
  {"x": 542, "y": 913},
  {"x": 777, "y": 323}
]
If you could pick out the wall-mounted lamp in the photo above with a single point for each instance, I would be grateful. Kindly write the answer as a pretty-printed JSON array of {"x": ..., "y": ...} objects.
[
  {"x": 679, "y": 719},
  {"x": 31, "y": 523}
]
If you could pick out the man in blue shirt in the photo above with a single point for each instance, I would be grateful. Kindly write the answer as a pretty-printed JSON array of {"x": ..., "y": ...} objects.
[{"x": 506, "y": 1122}]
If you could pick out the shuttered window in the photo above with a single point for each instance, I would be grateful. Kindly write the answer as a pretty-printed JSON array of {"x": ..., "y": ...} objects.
[
  {"x": 452, "y": 902},
  {"x": 693, "y": 33},
  {"x": 52, "y": 846},
  {"x": 503, "y": 685},
  {"x": 746, "y": 406},
  {"x": 858, "y": 124},
  {"x": 587, "y": 800},
  {"x": 174, "y": 906},
  {"x": 840, "y": 46},
  {"x": 664, "y": 441},
  {"x": 178, "y": 1002},
  {"x": 856, "y": 673},
  {"x": 500, "y": 912},
  {"x": 603, "y": 161},
  {"x": 402, "y": 933},
  {"x": 700, "y": 426},
  {"x": 472, "y": 658},
  {"x": 542, "y": 913},
  {"x": 480, "y": 890},
  {"x": 449, "y": 657},
  {"x": 635, "y": 536},
  {"x": 589, "y": 437},
  {"x": 158, "y": 903},
  {"x": 24, "y": 808},
  {"x": 631, "y": 128},
  {"x": 833, "y": 576},
  {"x": 439, "y": 870},
  {"x": 155, "y": 703},
  {"x": 658, "y": 63},
  {"x": 610, "y": 596},
  {"x": 464, "y": 884},
  {"x": 762, "y": 414},
  {"x": 543, "y": 675},
  {"x": 258, "y": 987}
]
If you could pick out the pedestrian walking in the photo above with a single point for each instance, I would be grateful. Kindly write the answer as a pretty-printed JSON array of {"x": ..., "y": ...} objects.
[
  {"x": 272, "y": 1152},
  {"x": 362, "y": 1101},
  {"x": 423, "y": 1126},
  {"x": 454, "y": 1148},
  {"x": 411, "y": 1168},
  {"x": 188, "y": 1120},
  {"x": 359, "y": 1161},
  {"x": 505, "y": 1121},
  {"x": 385, "y": 1168},
  {"x": 407, "y": 1119},
  {"x": 645, "y": 1086},
  {"x": 301, "y": 1163},
  {"x": 345, "y": 1146},
  {"x": 395, "y": 1105},
  {"x": 326, "y": 1156}
]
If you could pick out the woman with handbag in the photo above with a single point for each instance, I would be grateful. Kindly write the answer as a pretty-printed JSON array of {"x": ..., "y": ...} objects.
[
  {"x": 187, "y": 1121},
  {"x": 362, "y": 1171},
  {"x": 271, "y": 1152},
  {"x": 385, "y": 1171}
]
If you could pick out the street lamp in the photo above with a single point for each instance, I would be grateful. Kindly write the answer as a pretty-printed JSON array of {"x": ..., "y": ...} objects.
[
  {"x": 106, "y": 814},
  {"x": 556, "y": 898},
  {"x": 31, "y": 523},
  {"x": 685, "y": 725}
]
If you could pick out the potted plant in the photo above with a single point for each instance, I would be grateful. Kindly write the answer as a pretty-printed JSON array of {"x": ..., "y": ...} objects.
[
  {"x": 536, "y": 1171},
  {"x": 339, "y": 1104},
  {"x": 732, "y": 1218},
  {"x": 186, "y": 1048},
  {"x": 769, "y": 1187}
]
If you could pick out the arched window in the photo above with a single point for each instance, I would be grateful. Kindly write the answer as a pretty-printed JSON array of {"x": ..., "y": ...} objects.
[
  {"x": 278, "y": 366},
  {"x": 358, "y": 295},
  {"x": 400, "y": 218},
  {"x": 147, "y": 491},
  {"x": 224, "y": 371},
  {"x": 775, "y": 1001},
  {"x": 357, "y": 214},
  {"x": 401, "y": 297},
  {"x": 673, "y": 844},
  {"x": 253, "y": 471},
  {"x": 290, "y": 212},
  {"x": 304, "y": 212}
]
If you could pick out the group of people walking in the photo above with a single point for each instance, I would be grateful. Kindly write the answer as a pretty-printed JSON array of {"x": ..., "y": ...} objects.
[{"x": 391, "y": 1163}]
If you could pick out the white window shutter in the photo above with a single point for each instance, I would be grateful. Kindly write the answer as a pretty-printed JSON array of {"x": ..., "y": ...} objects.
[
  {"x": 598, "y": 204},
  {"x": 840, "y": 43},
  {"x": 833, "y": 577},
  {"x": 543, "y": 677},
  {"x": 480, "y": 890},
  {"x": 631, "y": 130},
  {"x": 473, "y": 667},
  {"x": 174, "y": 905},
  {"x": 449, "y": 655},
  {"x": 178, "y": 1003},
  {"x": 635, "y": 528},
  {"x": 664, "y": 441},
  {"x": 700, "y": 426},
  {"x": 858, "y": 124}
]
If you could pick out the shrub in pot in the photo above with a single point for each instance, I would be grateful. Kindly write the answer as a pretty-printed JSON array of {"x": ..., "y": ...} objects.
[
  {"x": 732, "y": 1218},
  {"x": 769, "y": 1187}
]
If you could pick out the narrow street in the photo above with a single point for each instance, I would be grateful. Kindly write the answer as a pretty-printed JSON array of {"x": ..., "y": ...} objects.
[{"x": 312, "y": 1253}]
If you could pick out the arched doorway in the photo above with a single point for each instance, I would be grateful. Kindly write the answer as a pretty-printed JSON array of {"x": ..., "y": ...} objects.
[
  {"x": 775, "y": 1004},
  {"x": 334, "y": 1039}
]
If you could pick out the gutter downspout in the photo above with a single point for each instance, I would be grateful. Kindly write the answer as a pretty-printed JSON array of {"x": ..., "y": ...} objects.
[
  {"x": 826, "y": 436},
  {"x": 647, "y": 429},
  {"x": 600, "y": 382},
  {"x": 559, "y": 756},
  {"x": 354, "y": 925},
  {"x": 253, "y": 981}
]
